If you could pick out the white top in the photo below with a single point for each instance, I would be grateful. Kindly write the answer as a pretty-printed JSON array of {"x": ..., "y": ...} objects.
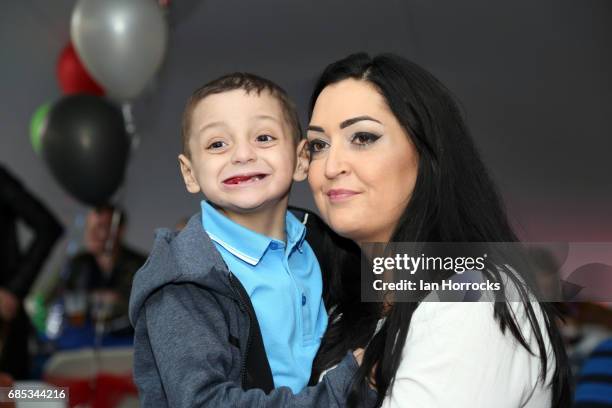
[{"x": 456, "y": 356}]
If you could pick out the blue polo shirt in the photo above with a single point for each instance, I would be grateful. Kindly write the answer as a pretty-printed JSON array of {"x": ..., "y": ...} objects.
[{"x": 284, "y": 283}]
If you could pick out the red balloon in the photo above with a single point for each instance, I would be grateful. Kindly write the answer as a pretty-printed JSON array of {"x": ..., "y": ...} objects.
[{"x": 72, "y": 75}]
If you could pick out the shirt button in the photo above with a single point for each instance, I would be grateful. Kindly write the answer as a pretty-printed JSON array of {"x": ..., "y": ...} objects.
[{"x": 303, "y": 300}]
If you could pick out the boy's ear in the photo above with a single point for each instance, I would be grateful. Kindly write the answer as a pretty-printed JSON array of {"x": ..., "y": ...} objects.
[
  {"x": 302, "y": 162},
  {"x": 188, "y": 177}
]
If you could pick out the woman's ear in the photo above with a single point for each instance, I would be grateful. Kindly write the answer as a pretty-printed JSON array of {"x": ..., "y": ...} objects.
[
  {"x": 302, "y": 162},
  {"x": 188, "y": 175}
]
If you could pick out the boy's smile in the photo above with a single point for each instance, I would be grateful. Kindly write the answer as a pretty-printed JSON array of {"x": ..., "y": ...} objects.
[
  {"x": 244, "y": 179},
  {"x": 243, "y": 156}
]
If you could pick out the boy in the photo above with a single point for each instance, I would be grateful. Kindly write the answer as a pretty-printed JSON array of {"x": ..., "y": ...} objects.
[{"x": 242, "y": 264}]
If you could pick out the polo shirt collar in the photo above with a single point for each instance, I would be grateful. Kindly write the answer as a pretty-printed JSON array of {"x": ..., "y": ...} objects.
[
  {"x": 242, "y": 242},
  {"x": 295, "y": 230}
]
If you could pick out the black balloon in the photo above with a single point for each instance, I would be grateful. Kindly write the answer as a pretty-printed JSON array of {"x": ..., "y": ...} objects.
[{"x": 86, "y": 146}]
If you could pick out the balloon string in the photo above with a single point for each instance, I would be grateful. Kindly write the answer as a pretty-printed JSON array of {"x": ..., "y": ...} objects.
[
  {"x": 116, "y": 200},
  {"x": 109, "y": 245},
  {"x": 130, "y": 127}
]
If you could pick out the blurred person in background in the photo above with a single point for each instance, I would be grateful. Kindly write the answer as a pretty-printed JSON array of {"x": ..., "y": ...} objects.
[
  {"x": 547, "y": 269},
  {"x": 586, "y": 325},
  {"x": 106, "y": 267},
  {"x": 594, "y": 381},
  {"x": 19, "y": 267}
]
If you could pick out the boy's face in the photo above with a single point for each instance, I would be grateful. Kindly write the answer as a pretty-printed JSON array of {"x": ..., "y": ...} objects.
[{"x": 243, "y": 156}]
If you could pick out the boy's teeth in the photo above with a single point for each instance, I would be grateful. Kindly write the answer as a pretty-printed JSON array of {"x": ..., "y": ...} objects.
[{"x": 240, "y": 179}]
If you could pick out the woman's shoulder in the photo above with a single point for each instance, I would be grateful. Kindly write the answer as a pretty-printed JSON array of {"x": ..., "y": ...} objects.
[
  {"x": 474, "y": 320},
  {"x": 456, "y": 319},
  {"x": 477, "y": 298},
  {"x": 454, "y": 348}
]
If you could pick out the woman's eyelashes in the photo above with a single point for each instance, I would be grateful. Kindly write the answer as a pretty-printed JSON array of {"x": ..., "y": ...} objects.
[
  {"x": 364, "y": 139},
  {"x": 316, "y": 146},
  {"x": 358, "y": 139}
]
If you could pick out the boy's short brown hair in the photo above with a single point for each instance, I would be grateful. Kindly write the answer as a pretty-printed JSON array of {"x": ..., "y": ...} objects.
[{"x": 249, "y": 83}]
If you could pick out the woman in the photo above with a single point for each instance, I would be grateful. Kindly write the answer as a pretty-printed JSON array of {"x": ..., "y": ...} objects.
[{"x": 392, "y": 161}]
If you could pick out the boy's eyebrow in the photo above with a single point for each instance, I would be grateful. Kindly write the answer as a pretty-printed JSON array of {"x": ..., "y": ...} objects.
[
  {"x": 264, "y": 116},
  {"x": 211, "y": 125}
]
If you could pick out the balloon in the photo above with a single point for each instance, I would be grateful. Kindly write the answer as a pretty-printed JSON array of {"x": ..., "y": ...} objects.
[
  {"x": 122, "y": 43},
  {"x": 72, "y": 76},
  {"x": 86, "y": 147},
  {"x": 37, "y": 125}
]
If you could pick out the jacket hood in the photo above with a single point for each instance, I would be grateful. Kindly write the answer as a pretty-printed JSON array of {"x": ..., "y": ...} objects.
[{"x": 186, "y": 257}]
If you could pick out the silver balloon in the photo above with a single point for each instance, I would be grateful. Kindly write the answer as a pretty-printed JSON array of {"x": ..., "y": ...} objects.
[{"x": 121, "y": 42}]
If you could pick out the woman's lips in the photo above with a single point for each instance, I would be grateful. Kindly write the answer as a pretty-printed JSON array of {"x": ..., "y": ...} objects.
[
  {"x": 339, "y": 195},
  {"x": 244, "y": 179}
]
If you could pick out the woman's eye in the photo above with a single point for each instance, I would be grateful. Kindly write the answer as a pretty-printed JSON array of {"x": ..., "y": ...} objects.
[
  {"x": 316, "y": 146},
  {"x": 216, "y": 145},
  {"x": 265, "y": 138},
  {"x": 364, "y": 138}
]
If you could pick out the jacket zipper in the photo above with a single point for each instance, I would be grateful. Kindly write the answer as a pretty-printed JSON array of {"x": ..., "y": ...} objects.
[{"x": 243, "y": 373}]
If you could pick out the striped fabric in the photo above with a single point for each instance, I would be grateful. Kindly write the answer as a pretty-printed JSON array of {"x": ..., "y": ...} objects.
[{"x": 594, "y": 386}]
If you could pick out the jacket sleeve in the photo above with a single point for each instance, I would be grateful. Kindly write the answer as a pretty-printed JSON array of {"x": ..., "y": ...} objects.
[
  {"x": 187, "y": 336},
  {"x": 46, "y": 231}
]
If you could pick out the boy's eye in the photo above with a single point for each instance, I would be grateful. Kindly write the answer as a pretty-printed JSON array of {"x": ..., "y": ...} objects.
[
  {"x": 364, "y": 138},
  {"x": 216, "y": 145},
  {"x": 264, "y": 138}
]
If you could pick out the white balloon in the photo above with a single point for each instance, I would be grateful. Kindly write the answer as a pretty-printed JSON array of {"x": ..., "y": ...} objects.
[{"x": 121, "y": 42}]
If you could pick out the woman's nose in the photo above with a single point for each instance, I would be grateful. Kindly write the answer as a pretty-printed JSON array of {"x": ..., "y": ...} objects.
[{"x": 336, "y": 162}]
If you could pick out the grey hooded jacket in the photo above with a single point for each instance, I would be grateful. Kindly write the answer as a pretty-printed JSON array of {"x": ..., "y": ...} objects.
[{"x": 195, "y": 332}]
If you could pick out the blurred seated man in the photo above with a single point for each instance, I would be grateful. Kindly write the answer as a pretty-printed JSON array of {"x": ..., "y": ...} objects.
[{"x": 104, "y": 269}]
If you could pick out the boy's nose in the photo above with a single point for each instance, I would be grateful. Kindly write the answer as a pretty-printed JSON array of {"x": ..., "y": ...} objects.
[{"x": 243, "y": 153}]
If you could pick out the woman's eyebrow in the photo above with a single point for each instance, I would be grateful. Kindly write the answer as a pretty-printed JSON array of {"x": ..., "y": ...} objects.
[
  {"x": 345, "y": 123},
  {"x": 351, "y": 121},
  {"x": 315, "y": 128}
]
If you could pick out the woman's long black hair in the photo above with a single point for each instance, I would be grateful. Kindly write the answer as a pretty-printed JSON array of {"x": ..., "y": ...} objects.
[{"x": 454, "y": 200}]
